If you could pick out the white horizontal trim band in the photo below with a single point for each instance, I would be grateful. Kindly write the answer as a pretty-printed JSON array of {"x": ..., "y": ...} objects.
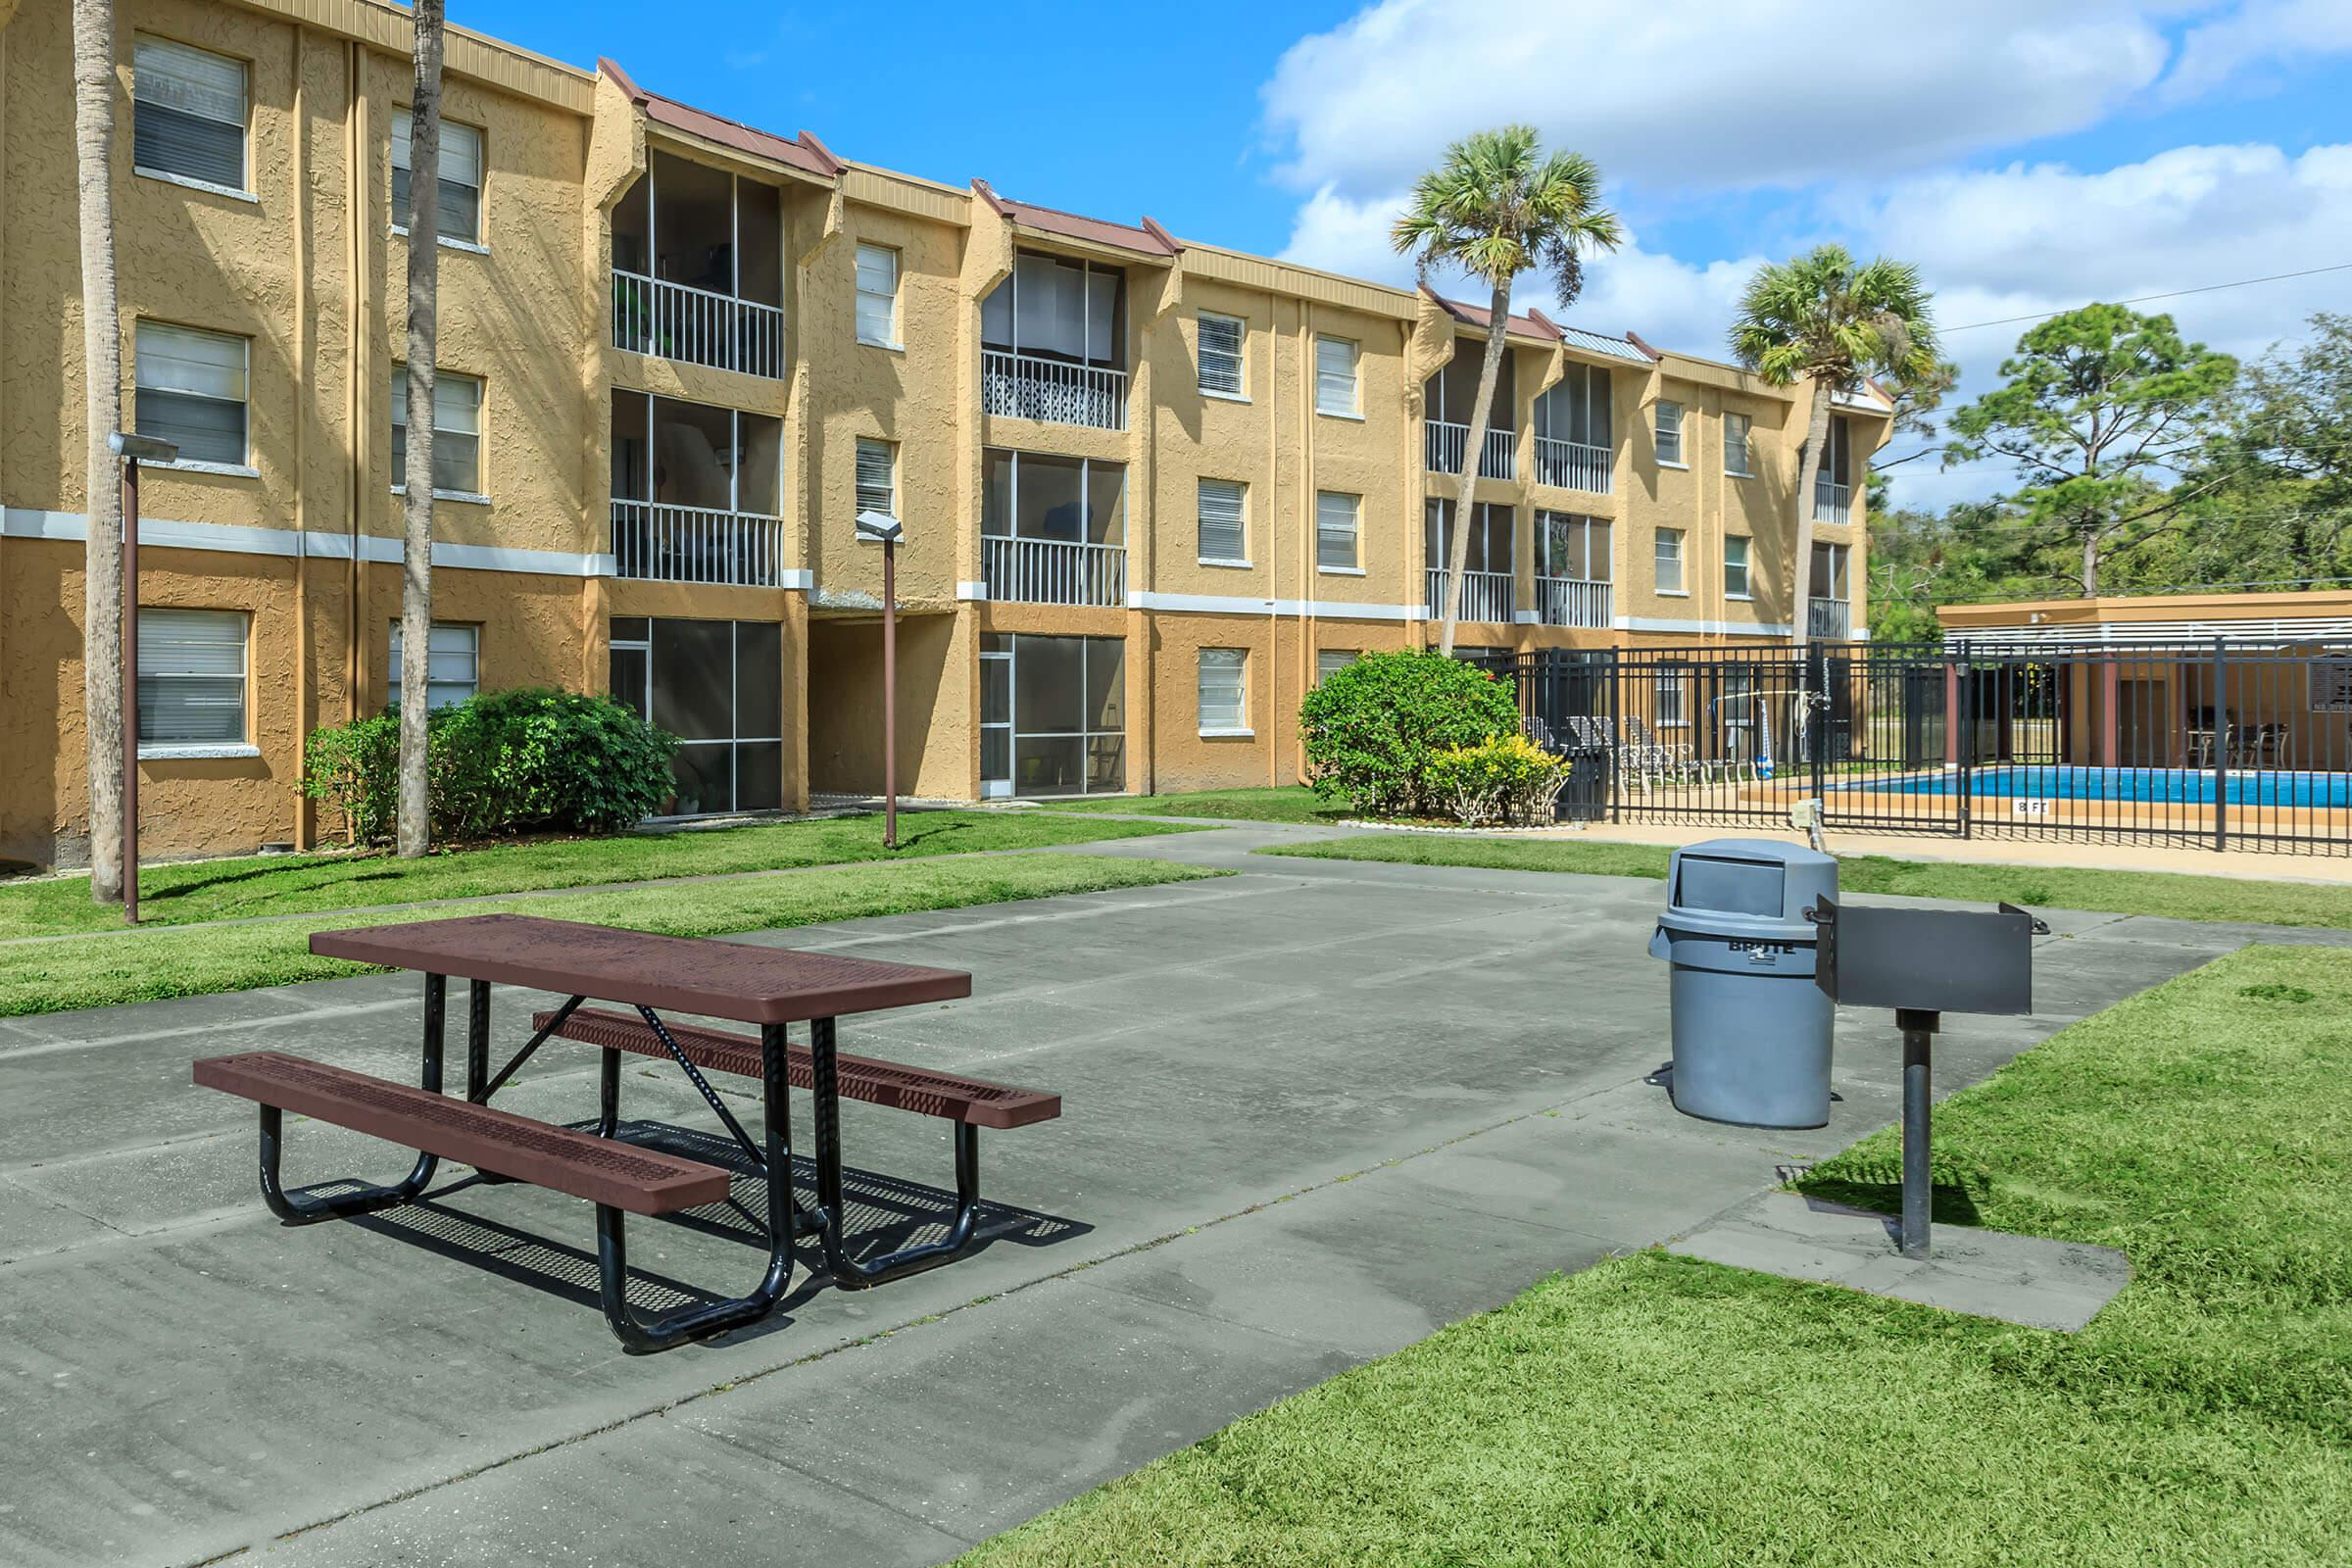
[
  {"x": 239, "y": 539},
  {"x": 1319, "y": 608},
  {"x": 972, "y": 591},
  {"x": 1705, "y": 628}
]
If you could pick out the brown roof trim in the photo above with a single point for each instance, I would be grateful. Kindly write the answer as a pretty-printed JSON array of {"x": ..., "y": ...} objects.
[
  {"x": 621, "y": 79},
  {"x": 806, "y": 153},
  {"x": 1480, "y": 316},
  {"x": 988, "y": 194},
  {"x": 1635, "y": 338},
  {"x": 1550, "y": 326},
  {"x": 808, "y": 139},
  {"x": 1094, "y": 230},
  {"x": 1153, "y": 229}
]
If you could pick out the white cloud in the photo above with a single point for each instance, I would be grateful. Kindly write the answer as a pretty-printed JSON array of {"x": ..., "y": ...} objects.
[
  {"x": 1678, "y": 94},
  {"x": 2264, "y": 35}
]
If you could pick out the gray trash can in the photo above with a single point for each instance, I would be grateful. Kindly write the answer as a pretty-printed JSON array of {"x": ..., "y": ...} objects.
[{"x": 1751, "y": 1032}]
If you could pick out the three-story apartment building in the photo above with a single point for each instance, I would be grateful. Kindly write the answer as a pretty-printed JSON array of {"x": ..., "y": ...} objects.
[{"x": 1152, "y": 489}]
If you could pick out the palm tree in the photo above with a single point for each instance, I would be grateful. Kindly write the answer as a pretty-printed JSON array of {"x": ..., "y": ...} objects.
[
  {"x": 415, "y": 830},
  {"x": 102, "y": 415},
  {"x": 1822, "y": 319},
  {"x": 1496, "y": 208}
]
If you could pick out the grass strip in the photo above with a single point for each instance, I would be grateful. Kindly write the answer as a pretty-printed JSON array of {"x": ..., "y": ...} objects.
[
  {"x": 106, "y": 971},
  {"x": 1292, "y": 803},
  {"x": 1662, "y": 1411},
  {"x": 297, "y": 884}
]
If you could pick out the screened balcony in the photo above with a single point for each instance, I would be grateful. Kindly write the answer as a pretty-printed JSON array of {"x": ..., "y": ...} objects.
[
  {"x": 1448, "y": 442},
  {"x": 1573, "y": 568},
  {"x": 1833, "y": 496},
  {"x": 697, "y": 271},
  {"x": 695, "y": 493},
  {"x": 1488, "y": 592},
  {"x": 1053, "y": 530},
  {"x": 1573, "y": 450},
  {"x": 1054, "y": 343}
]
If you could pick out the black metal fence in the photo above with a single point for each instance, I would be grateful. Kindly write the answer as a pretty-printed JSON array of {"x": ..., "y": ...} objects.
[{"x": 2193, "y": 744}]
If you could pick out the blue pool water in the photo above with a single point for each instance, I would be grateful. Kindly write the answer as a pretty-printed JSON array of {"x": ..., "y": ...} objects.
[{"x": 2180, "y": 785}]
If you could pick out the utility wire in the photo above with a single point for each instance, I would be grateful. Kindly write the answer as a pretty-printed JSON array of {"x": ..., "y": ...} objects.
[{"x": 2172, "y": 294}]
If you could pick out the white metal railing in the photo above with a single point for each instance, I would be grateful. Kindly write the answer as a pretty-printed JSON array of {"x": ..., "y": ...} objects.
[
  {"x": 1054, "y": 571},
  {"x": 1486, "y": 596},
  {"x": 1572, "y": 601},
  {"x": 696, "y": 544},
  {"x": 1027, "y": 387},
  {"x": 1831, "y": 618},
  {"x": 678, "y": 322},
  {"x": 1832, "y": 503},
  {"x": 1572, "y": 465},
  {"x": 1447, "y": 441}
]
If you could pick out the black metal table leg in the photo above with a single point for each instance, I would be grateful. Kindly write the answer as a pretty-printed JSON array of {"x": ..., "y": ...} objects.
[
  {"x": 641, "y": 1338},
  {"x": 365, "y": 1199},
  {"x": 824, "y": 1076}
]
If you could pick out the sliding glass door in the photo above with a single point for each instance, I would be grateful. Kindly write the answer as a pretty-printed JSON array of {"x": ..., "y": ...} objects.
[{"x": 1052, "y": 715}]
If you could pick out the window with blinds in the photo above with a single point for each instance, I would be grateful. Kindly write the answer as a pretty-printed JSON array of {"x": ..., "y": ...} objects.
[
  {"x": 1336, "y": 516},
  {"x": 877, "y": 476},
  {"x": 457, "y": 431},
  {"x": 1735, "y": 566},
  {"x": 1334, "y": 375},
  {"x": 1667, "y": 555},
  {"x": 452, "y": 663},
  {"x": 1737, "y": 429},
  {"x": 1329, "y": 662},
  {"x": 187, "y": 116},
  {"x": 460, "y": 205},
  {"x": 191, "y": 389},
  {"x": 1224, "y": 535},
  {"x": 191, "y": 677},
  {"x": 1221, "y": 355},
  {"x": 1670, "y": 433},
  {"x": 1223, "y": 708},
  {"x": 878, "y": 295}
]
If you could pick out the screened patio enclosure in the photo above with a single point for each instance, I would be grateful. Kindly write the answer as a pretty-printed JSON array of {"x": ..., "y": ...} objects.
[
  {"x": 1052, "y": 715},
  {"x": 719, "y": 686}
]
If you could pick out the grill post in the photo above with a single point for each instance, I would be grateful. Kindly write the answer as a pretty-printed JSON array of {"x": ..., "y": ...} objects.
[{"x": 1919, "y": 1033}]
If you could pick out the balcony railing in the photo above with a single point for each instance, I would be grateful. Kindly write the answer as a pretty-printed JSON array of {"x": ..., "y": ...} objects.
[
  {"x": 696, "y": 544},
  {"x": 1054, "y": 571},
  {"x": 1572, "y": 601},
  {"x": 693, "y": 326},
  {"x": 1447, "y": 441},
  {"x": 1486, "y": 596},
  {"x": 1830, "y": 619},
  {"x": 1572, "y": 465},
  {"x": 1832, "y": 503},
  {"x": 1027, "y": 387}
]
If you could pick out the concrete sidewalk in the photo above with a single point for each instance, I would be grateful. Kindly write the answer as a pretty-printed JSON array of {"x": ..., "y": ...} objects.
[{"x": 1314, "y": 1110}]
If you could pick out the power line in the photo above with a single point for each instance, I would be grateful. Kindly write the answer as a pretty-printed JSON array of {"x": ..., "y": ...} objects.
[{"x": 2172, "y": 294}]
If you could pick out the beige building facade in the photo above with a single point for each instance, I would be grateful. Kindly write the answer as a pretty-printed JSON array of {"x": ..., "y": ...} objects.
[{"x": 1151, "y": 488}]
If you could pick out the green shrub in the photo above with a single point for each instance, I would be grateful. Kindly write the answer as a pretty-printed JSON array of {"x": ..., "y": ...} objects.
[
  {"x": 1504, "y": 778},
  {"x": 1372, "y": 728},
  {"x": 532, "y": 759}
]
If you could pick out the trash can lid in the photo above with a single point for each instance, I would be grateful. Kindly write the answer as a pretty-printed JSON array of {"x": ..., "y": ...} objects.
[{"x": 1763, "y": 878}]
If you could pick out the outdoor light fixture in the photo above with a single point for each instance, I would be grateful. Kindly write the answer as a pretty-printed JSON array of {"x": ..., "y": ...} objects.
[
  {"x": 880, "y": 527},
  {"x": 134, "y": 450}
]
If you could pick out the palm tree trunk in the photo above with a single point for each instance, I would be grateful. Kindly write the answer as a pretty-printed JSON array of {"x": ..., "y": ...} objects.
[
  {"x": 102, "y": 386},
  {"x": 1457, "y": 558},
  {"x": 1808, "y": 475},
  {"x": 416, "y": 832}
]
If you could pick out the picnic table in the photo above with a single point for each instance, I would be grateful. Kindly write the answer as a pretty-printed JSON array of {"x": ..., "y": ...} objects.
[{"x": 768, "y": 988}]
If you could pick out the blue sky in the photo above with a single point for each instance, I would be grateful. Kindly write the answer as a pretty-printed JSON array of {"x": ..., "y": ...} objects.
[{"x": 2028, "y": 155}]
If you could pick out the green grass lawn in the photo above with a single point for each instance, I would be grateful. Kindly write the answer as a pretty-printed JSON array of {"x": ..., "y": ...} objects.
[
  {"x": 1291, "y": 803},
  {"x": 103, "y": 970},
  {"x": 1662, "y": 1411},
  {"x": 299, "y": 884},
  {"x": 2161, "y": 893}
]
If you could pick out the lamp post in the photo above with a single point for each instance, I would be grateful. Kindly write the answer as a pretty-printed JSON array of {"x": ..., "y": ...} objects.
[
  {"x": 132, "y": 449},
  {"x": 884, "y": 528}
]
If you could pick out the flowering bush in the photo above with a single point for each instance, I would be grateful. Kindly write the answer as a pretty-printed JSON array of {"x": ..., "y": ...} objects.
[
  {"x": 1504, "y": 778},
  {"x": 1373, "y": 725}
]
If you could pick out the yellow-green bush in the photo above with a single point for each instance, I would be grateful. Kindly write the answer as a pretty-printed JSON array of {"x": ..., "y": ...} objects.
[{"x": 1504, "y": 778}]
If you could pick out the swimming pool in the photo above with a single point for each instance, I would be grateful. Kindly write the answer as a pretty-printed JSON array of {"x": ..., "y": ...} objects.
[{"x": 2176, "y": 785}]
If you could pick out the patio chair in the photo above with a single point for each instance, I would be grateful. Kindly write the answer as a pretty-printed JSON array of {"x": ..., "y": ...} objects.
[{"x": 1654, "y": 758}]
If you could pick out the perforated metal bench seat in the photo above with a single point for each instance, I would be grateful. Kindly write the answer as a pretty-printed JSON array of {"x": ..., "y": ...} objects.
[
  {"x": 974, "y": 1102},
  {"x": 640, "y": 1181}
]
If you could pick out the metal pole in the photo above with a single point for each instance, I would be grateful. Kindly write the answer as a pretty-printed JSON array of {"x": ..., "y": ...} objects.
[
  {"x": 1918, "y": 1031},
  {"x": 890, "y": 694},
  {"x": 130, "y": 691},
  {"x": 2221, "y": 744}
]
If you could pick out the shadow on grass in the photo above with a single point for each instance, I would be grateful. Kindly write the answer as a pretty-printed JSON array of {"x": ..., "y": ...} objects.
[{"x": 1877, "y": 1184}]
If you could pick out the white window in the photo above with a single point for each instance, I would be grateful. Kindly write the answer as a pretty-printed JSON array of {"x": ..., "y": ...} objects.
[
  {"x": 1670, "y": 434},
  {"x": 452, "y": 663},
  {"x": 1336, "y": 516},
  {"x": 1224, "y": 708},
  {"x": 1668, "y": 692},
  {"x": 191, "y": 677},
  {"x": 187, "y": 117},
  {"x": 878, "y": 295},
  {"x": 877, "y": 476},
  {"x": 1334, "y": 375},
  {"x": 1329, "y": 662},
  {"x": 1224, "y": 531},
  {"x": 1221, "y": 355},
  {"x": 460, "y": 205},
  {"x": 457, "y": 432},
  {"x": 1669, "y": 558},
  {"x": 1735, "y": 566},
  {"x": 1737, "y": 458},
  {"x": 191, "y": 390}
]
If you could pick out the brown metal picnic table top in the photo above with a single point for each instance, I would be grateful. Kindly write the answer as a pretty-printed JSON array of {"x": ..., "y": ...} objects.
[{"x": 705, "y": 975}]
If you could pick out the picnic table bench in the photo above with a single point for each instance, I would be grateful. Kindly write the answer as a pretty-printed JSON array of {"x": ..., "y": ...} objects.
[{"x": 766, "y": 987}]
